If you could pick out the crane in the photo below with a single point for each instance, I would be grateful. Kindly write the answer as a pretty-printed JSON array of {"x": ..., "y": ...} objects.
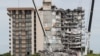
[{"x": 89, "y": 27}]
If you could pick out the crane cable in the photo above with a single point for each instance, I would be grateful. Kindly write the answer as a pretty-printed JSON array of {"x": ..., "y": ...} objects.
[
  {"x": 41, "y": 25},
  {"x": 38, "y": 17}
]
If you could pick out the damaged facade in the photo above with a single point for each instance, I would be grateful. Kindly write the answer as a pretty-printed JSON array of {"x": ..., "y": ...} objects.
[{"x": 63, "y": 30}]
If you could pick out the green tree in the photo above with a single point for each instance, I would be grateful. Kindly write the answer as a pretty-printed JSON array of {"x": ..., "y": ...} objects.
[{"x": 6, "y": 54}]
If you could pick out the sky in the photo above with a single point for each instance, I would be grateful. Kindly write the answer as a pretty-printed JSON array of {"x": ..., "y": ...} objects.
[{"x": 4, "y": 19}]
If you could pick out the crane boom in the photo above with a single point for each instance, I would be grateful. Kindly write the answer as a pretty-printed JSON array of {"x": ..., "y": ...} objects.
[
  {"x": 89, "y": 28},
  {"x": 91, "y": 16}
]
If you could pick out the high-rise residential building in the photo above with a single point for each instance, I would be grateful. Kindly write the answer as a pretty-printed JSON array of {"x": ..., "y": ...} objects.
[
  {"x": 72, "y": 25},
  {"x": 26, "y": 36},
  {"x": 63, "y": 29}
]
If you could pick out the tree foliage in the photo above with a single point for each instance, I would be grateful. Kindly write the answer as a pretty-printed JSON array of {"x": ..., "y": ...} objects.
[{"x": 5, "y": 54}]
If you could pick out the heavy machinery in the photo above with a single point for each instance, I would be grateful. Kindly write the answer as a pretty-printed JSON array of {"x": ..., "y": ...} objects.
[{"x": 89, "y": 28}]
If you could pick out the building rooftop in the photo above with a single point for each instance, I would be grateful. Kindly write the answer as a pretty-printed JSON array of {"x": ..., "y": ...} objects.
[{"x": 20, "y": 8}]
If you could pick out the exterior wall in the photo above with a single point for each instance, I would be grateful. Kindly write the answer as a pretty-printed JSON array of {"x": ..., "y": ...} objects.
[
  {"x": 54, "y": 25},
  {"x": 37, "y": 38},
  {"x": 47, "y": 4},
  {"x": 72, "y": 29},
  {"x": 47, "y": 24},
  {"x": 21, "y": 31},
  {"x": 11, "y": 34},
  {"x": 40, "y": 34},
  {"x": 32, "y": 32},
  {"x": 56, "y": 31}
]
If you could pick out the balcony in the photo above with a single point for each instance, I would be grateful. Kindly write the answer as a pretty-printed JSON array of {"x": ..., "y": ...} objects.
[
  {"x": 65, "y": 42},
  {"x": 9, "y": 43},
  {"x": 16, "y": 50},
  {"x": 73, "y": 35},
  {"x": 23, "y": 50},
  {"x": 9, "y": 27},
  {"x": 9, "y": 39},
  {"x": 24, "y": 42},
  {"x": 9, "y": 31},
  {"x": 71, "y": 26},
  {"x": 71, "y": 23},
  {"x": 58, "y": 17},
  {"x": 17, "y": 46},
  {"x": 9, "y": 14},
  {"x": 9, "y": 23},
  {"x": 9, "y": 19},
  {"x": 57, "y": 34},
  {"x": 23, "y": 46},
  {"x": 76, "y": 43},
  {"x": 28, "y": 16},
  {"x": 9, "y": 35},
  {"x": 10, "y": 47},
  {"x": 57, "y": 25},
  {"x": 69, "y": 14},
  {"x": 75, "y": 46},
  {"x": 13, "y": 16},
  {"x": 16, "y": 42}
]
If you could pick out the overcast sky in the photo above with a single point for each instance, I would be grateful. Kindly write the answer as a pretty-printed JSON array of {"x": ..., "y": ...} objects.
[{"x": 4, "y": 19}]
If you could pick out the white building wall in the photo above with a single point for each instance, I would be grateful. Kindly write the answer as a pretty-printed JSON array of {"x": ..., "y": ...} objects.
[
  {"x": 32, "y": 32},
  {"x": 39, "y": 33}
]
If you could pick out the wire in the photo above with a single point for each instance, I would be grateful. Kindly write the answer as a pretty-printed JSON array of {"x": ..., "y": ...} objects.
[{"x": 38, "y": 17}]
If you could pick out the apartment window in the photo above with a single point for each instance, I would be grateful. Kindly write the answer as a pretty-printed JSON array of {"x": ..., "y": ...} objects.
[
  {"x": 10, "y": 35},
  {"x": 9, "y": 31},
  {"x": 20, "y": 24},
  {"x": 20, "y": 12},
  {"x": 13, "y": 16},
  {"x": 9, "y": 23},
  {"x": 17, "y": 16},
  {"x": 20, "y": 16},
  {"x": 9, "y": 27},
  {"x": 28, "y": 32},
  {"x": 19, "y": 32},
  {"x": 14, "y": 20},
  {"x": 27, "y": 11},
  {"x": 9, "y": 19},
  {"x": 28, "y": 16},
  {"x": 13, "y": 12},
  {"x": 28, "y": 20},
  {"x": 28, "y": 24}
]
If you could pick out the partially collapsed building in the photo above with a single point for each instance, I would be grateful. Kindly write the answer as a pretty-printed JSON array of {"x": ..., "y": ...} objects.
[{"x": 63, "y": 29}]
